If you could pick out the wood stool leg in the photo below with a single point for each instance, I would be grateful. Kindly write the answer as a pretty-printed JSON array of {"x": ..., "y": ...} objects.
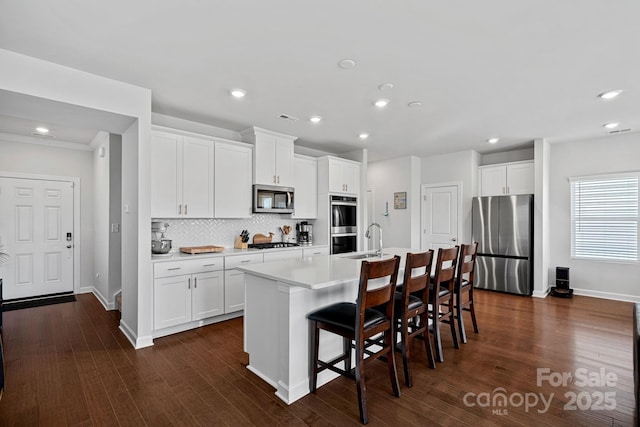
[
  {"x": 473, "y": 311},
  {"x": 404, "y": 343},
  {"x": 427, "y": 341},
  {"x": 314, "y": 353},
  {"x": 452, "y": 323},
  {"x": 360, "y": 384},
  {"x": 391, "y": 362},
  {"x": 346, "y": 346},
  {"x": 459, "y": 311}
]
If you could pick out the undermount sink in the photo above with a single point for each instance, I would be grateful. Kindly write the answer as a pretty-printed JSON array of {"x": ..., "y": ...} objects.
[{"x": 365, "y": 256}]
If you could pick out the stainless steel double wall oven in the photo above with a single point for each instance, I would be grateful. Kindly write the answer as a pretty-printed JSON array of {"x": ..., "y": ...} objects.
[{"x": 344, "y": 224}]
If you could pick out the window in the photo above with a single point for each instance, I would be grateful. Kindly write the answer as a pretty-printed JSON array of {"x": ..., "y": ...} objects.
[{"x": 604, "y": 217}]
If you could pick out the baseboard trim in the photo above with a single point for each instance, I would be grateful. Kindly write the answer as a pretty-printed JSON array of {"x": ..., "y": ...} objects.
[
  {"x": 540, "y": 294},
  {"x": 606, "y": 295},
  {"x": 106, "y": 304},
  {"x": 136, "y": 342}
]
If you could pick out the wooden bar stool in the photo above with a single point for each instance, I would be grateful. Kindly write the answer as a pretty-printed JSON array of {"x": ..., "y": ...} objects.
[
  {"x": 412, "y": 309},
  {"x": 361, "y": 327},
  {"x": 464, "y": 287},
  {"x": 442, "y": 291}
]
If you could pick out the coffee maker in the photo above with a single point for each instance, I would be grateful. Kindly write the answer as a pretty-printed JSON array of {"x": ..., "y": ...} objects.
[{"x": 305, "y": 233}]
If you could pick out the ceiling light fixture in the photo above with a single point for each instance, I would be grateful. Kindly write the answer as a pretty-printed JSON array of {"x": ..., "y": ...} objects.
[
  {"x": 493, "y": 140},
  {"x": 381, "y": 103},
  {"x": 611, "y": 125},
  {"x": 386, "y": 86},
  {"x": 238, "y": 93},
  {"x": 347, "y": 64},
  {"x": 315, "y": 119},
  {"x": 414, "y": 104},
  {"x": 42, "y": 130},
  {"x": 610, "y": 94},
  {"x": 363, "y": 135}
]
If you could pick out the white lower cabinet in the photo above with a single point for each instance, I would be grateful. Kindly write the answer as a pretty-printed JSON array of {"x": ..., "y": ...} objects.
[
  {"x": 282, "y": 254},
  {"x": 185, "y": 291},
  {"x": 233, "y": 290},
  {"x": 313, "y": 251},
  {"x": 234, "y": 280}
]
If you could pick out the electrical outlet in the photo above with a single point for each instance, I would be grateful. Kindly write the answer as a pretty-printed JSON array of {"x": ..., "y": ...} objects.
[{"x": 115, "y": 228}]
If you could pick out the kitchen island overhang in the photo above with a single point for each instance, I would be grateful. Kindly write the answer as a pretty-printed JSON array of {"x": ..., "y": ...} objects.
[{"x": 278, "y": 297}]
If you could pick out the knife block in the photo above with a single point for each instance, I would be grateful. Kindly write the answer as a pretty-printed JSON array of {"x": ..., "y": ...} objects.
[{"x": 239, "y": 244}]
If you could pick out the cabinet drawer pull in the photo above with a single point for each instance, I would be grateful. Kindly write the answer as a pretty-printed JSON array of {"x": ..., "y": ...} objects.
[
  {"x": 179, "y": 209},
  {"x": 174, "y": 268},
  {"x": 189, "y": 283},
  {"x": 209, "y": 265},
  {"x": 195, "y": 283},
  {"x": 185, "y": 209},
  {"x": 246, "y": 260}
]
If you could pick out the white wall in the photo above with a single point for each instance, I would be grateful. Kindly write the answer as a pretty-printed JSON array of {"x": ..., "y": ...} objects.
[
  {"x": 31, "y": 76},
  {"x": 609, "y": 154},
  {"x": 115, "y": 216},
  {"x": 455, "y": 167},
  {"x": 107, "y": 200},
  {"x": 43, "y": 160},
  {"x": 101, "y": 218},
  {"x": 385, "y": 178},
  {"x": 507, "y": 156}
]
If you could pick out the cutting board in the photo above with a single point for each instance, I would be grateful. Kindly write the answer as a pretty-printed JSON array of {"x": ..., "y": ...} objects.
[
  {"x": 201, "y": 249},
  {"x": 261, "y": 238}
]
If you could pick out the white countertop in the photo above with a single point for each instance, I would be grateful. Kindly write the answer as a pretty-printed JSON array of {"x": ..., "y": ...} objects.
[
  {"x": 319, "y": 271},
  {"x": 179, "y": 256}
]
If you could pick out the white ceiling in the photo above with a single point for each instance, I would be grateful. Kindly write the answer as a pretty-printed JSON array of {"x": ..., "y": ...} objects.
[{"x": 515, "y": 69}]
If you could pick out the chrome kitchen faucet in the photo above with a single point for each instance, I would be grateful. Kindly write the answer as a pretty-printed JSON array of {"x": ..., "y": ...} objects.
[{"x": 367, "y": 234}]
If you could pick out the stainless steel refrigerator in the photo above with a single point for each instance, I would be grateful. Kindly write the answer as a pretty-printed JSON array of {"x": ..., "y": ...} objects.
[{"x": 503, "y": 228}]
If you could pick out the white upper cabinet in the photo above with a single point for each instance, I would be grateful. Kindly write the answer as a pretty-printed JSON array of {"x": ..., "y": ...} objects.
[
  {"x": 233, "y": 178},
  {"x": 339, "y": 176},
  {"x": 507, "y": 179},
  {"x": 306, "y": 187},
  {"x": 272, "y": 156},
  {"x": 181, "y": 176}
]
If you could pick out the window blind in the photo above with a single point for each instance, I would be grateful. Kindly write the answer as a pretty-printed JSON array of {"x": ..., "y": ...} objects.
[{"x": 604, "y": 212}]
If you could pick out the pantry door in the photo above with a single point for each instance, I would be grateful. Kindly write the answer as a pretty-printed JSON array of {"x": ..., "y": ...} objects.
[
  {"x": 440, "y": 216},
  {"x": 36, "y": 230}
]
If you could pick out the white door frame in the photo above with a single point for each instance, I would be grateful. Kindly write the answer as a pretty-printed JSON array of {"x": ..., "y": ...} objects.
[
  {"x": 423, "y": 192},
  {"x": 76, "y": 215}
]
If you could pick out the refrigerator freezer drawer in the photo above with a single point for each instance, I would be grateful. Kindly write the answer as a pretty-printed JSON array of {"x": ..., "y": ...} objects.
[{"x": 504, "y": 274}]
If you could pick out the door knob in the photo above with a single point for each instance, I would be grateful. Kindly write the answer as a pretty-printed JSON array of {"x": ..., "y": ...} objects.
[{"x": 453, "y": 240}]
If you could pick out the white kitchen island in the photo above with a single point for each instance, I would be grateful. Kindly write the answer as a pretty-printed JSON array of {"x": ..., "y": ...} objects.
[{"x": 278, "y": 297}]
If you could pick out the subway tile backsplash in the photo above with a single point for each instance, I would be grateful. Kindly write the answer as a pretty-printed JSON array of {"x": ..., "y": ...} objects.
[{"x": 223, "y": 232}]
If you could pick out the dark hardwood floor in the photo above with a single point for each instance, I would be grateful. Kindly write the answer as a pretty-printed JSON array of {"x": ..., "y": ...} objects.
[{"x": 68, "y": 364}]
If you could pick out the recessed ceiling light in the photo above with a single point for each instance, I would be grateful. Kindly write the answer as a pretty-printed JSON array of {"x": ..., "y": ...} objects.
[
  {"x": 363, "y": 135},
  {"x": 610, "y": 94},
  {"x": 381, "y": 103},
  {"x": 611, "y": 125},
  {"x": 42, "y": 130},
  {"x": 238, "y": 93},
  {"x": 414, "y": 104},
  {"x": 315, "y": 119},
  {"x": 385, "y": 86},
  {"x": 493, "y": 140},
  {"x": 347, "y": 64}
]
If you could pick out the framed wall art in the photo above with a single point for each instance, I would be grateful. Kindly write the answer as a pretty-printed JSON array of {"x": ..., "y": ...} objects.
[{"x": 400, "y": 200}]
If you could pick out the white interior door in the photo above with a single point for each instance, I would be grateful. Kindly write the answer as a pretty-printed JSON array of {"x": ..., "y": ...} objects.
[
  {"x": 36, "y": 230},
  {"x": 439, "y": 216}
]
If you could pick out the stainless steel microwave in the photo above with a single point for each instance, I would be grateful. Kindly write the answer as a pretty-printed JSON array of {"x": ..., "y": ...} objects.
[{"x": 272, "y": 199}]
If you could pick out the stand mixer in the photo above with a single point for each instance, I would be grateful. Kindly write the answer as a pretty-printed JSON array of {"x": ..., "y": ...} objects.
[{"x": 159, "y": 244}]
